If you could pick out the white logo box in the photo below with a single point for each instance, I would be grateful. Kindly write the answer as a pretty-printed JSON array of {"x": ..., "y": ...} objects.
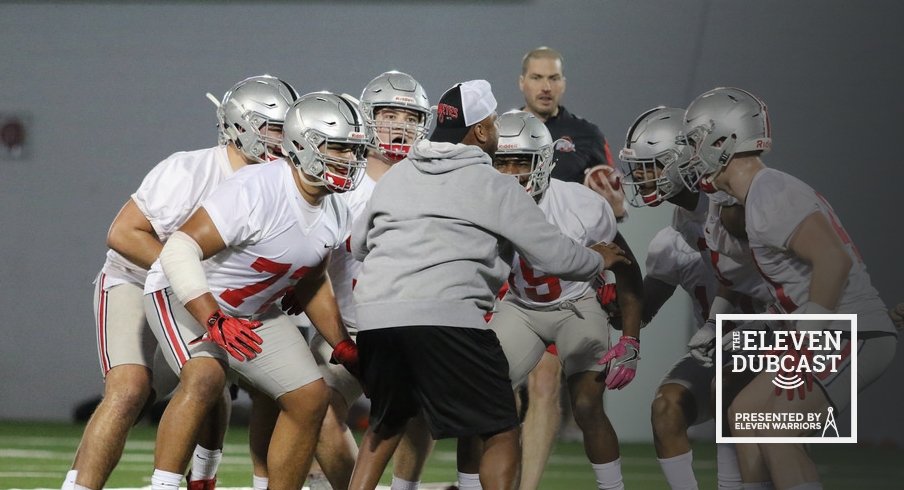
[{"x": 852, "y": 439}]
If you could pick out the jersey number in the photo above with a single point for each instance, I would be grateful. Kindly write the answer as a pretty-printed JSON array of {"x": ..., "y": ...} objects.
[
  {"x": 235, "y": 297},
  {"x": 533, "y": 281}
]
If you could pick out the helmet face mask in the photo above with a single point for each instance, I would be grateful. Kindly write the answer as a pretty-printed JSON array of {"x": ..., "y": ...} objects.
[
  {"x": 325, "y": 139},
  {"x": 344, "y": 164},
  {"x": 720, "y": 124},
  {"x": 396, "y": 130},
  {"x": 251, "y": 116},
  {"x": 524, "y": 138},
  {"x": 655, "y": 149},
  {"x": 397, "y": 112}
]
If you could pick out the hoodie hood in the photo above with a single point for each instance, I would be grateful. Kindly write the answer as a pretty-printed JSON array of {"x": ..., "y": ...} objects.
[{"x": 437, "y": 158}]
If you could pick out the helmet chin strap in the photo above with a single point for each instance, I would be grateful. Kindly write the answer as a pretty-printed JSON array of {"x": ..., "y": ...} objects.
[
  {"x": 304, "y": 178},
  {"x": 708, "y": 182}
]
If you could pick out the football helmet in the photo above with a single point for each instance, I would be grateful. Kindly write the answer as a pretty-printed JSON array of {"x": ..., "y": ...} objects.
[
  {"x": 251, "y": 111},
  {"x": 320, "y": 120},
  {"x": 654, "y": 149},
  {"x": 396, "y": 90},
  {"x": 719, "y": 124},
  {"x": 522, "y": 134}
]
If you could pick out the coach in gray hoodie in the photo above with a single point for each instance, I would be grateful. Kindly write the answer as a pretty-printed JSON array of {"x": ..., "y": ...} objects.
[{"x": 435, "y": 239}]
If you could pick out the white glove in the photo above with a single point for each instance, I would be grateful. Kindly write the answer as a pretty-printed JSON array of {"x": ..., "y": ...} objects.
[{"x": 702, "y": 346}]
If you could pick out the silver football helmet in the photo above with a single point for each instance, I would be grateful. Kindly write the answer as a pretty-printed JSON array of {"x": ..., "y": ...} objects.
[
  {"x": 395, "y": 135},
  {"x": 320, "y": 121},
  {"x": 654, "y": 149},
  {"x": 523, "y": 135},
  {"x": 719, "y": 124},
  {"x": 251, "y": 112}
]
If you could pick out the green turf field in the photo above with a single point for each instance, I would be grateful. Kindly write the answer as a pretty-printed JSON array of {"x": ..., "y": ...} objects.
[{"x": 37, "y": 455}]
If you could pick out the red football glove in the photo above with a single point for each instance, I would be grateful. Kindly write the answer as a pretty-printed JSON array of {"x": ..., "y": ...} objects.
[
  {"x": 235, "y": 335},
  {"x": 346, "y": 353}
]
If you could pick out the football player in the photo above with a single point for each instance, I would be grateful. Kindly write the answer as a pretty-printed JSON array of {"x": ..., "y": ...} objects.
[
  {"x": 396, "y": 109},
  {"x": 541, "y": 309},
  {"x": 250, "y": 119},
  {"x": 808, "y": 261},
  {"x": 679, "y": 255},
  {"x": 268, "y": 229}
]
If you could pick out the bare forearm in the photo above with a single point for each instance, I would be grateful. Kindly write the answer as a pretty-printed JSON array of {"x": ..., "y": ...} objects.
[
  {"x": 629, "y": 291},
  {"x": 202, "y": 307},
  {"x": 140, "y": 247},
  {"x": 655, "y": 294},
  {"x": 132, "y": 236},
  {"x": 323, "y": 311}
]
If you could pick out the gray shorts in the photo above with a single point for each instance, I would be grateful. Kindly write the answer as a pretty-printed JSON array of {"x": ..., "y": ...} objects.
[
  {"x": 335, "y": 375},
  {"x": 525, "y": 333},
  {"x": 697, "y": 379},
  {"x": 284, "y": 364},
  {"x": 123, "y": 336}
]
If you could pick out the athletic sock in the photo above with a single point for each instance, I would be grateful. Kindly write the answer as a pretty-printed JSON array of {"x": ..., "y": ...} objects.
[
  {"x": 69, "y": 481},
  {"x": 807, "y": 486},
  {"x": 608, "y": 475},
  {"x": 204, "y": 463},
  {"x": 164, "y": 480},
  {"x": 400, "y": 484},
  {"x": 469, "y": 481},
  {"x": 728, "y": 473},
  {"x": 259, "y": 482},
  {"x": 679, "y": 471}
]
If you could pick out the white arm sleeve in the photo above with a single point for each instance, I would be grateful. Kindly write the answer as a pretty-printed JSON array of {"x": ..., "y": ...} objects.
[{"x": 181, "y": 261}]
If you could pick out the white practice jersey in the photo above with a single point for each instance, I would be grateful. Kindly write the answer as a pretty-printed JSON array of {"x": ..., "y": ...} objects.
[
  {"x": 671, "y": 260},
  {"x": 273, "y": 238},
  {"x": 580, "y": 214},
  {"x": 733, "y": 264},
  {"x": 690, "y": 223},
  {"x": 169, "y": 194},
  {"x": 776, "y": 205},
  {"x": 344, "y": 269}
]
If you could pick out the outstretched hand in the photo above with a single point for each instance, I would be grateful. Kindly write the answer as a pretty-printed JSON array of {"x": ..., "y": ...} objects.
[{"x": 612, "y": 254}]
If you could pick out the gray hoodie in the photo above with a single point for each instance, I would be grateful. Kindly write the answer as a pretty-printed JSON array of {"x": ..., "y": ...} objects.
[{"x": 432, "y": 234}]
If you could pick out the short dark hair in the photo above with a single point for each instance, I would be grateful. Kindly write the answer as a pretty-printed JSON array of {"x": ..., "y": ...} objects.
[{"x": 542, "y": 52}]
